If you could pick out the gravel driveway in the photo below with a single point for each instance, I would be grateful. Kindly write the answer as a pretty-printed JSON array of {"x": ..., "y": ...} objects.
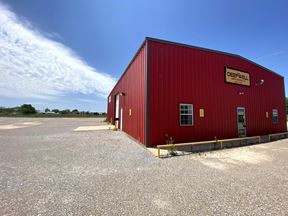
[{"x": 49, "y": 169}]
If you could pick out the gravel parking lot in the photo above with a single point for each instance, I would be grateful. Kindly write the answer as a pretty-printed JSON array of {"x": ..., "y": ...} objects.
[{"x": 47, "y": 168}]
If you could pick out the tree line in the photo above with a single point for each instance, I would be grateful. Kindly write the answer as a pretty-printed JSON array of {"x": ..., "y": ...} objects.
[{"x": 27, "y": 109}]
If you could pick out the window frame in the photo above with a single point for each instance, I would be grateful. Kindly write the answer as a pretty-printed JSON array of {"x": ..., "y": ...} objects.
[
  {"x": 277, "y": 116},
  {"x": 186, "y": 114}
]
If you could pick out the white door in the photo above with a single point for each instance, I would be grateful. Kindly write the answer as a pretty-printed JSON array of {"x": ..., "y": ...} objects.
[
  {"x": 117, "y": 110},
  {"x": 241, "y": 121},
  {"x": 121, "y": 118}
]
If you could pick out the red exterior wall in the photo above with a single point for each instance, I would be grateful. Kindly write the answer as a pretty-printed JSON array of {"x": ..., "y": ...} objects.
[
  {"x": 179, "y": 74},
  {"x": 132, "y": 84}
]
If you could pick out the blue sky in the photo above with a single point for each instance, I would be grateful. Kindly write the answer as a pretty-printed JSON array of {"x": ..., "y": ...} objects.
[{"x": 78, "y": 49}]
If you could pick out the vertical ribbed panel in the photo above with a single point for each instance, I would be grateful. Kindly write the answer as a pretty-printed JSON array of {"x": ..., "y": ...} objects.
[
  {"x": 132, "y": 84},
  {"x": 179, "y": 74}
]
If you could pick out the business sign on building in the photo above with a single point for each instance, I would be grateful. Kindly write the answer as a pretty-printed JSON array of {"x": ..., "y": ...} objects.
[{"x": 237, "y": 77}]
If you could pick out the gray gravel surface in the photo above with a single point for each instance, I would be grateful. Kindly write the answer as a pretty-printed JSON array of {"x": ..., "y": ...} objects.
[{"x": 51, "y": 170}]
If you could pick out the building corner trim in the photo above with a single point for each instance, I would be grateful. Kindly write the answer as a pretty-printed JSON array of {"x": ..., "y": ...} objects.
[{"x": 146, "y": 134}]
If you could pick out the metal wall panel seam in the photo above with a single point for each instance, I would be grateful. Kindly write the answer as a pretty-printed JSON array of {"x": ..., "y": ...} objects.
[{"x": 146, "y": 112}]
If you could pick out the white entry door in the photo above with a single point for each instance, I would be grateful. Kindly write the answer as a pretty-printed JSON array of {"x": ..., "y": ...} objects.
[
  {"x": 117, "y": 110},
  {"x": 121, "y": 118}
]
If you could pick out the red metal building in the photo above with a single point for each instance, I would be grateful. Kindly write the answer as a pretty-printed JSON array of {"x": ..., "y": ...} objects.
[{"x": 195, "y": 94}]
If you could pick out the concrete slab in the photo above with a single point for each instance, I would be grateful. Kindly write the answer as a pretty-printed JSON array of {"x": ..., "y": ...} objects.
[
  {"x": 94, "y": 128},
  {"x": 19, "y": 125},
  {"x": 28, "y": 123}
]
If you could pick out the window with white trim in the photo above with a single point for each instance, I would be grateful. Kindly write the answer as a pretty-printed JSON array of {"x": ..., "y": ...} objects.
[
  {"x": 274, "y": 116},
  {"x": 186, "y": 114}
]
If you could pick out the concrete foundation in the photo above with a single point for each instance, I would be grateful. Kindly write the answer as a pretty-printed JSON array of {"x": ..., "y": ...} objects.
[{"x": 230, "y": 144}]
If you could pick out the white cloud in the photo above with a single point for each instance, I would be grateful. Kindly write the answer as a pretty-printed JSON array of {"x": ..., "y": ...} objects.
[
  {"x": 272, "y": 55},
  {"x": 86, "y": 100},
  {"x": 32, "y": 65}
]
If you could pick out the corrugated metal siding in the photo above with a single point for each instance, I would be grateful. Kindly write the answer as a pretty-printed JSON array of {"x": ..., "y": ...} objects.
[
  {"x": 179, "y": 74},
  {"x": 132, "y": 84}
]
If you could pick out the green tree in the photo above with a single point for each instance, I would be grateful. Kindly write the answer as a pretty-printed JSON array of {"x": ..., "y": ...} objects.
[
  {"x": 55, "y": 110},
  {"x": 47, "y": 110},
  {"x": 66, "y": 111},
  {"x": 27, "y": 109},
  {"x": 75, "y": 111}
]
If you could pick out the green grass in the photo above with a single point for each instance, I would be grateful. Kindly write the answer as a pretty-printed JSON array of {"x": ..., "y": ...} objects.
[{"x": 51, "y": 116}]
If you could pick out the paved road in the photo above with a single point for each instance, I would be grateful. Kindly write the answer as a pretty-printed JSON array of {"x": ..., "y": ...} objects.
[{"x": 49, "y": 169}]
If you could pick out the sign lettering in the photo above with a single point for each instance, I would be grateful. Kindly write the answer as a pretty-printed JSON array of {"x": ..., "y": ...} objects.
[{"x": 237, "y": 77}]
